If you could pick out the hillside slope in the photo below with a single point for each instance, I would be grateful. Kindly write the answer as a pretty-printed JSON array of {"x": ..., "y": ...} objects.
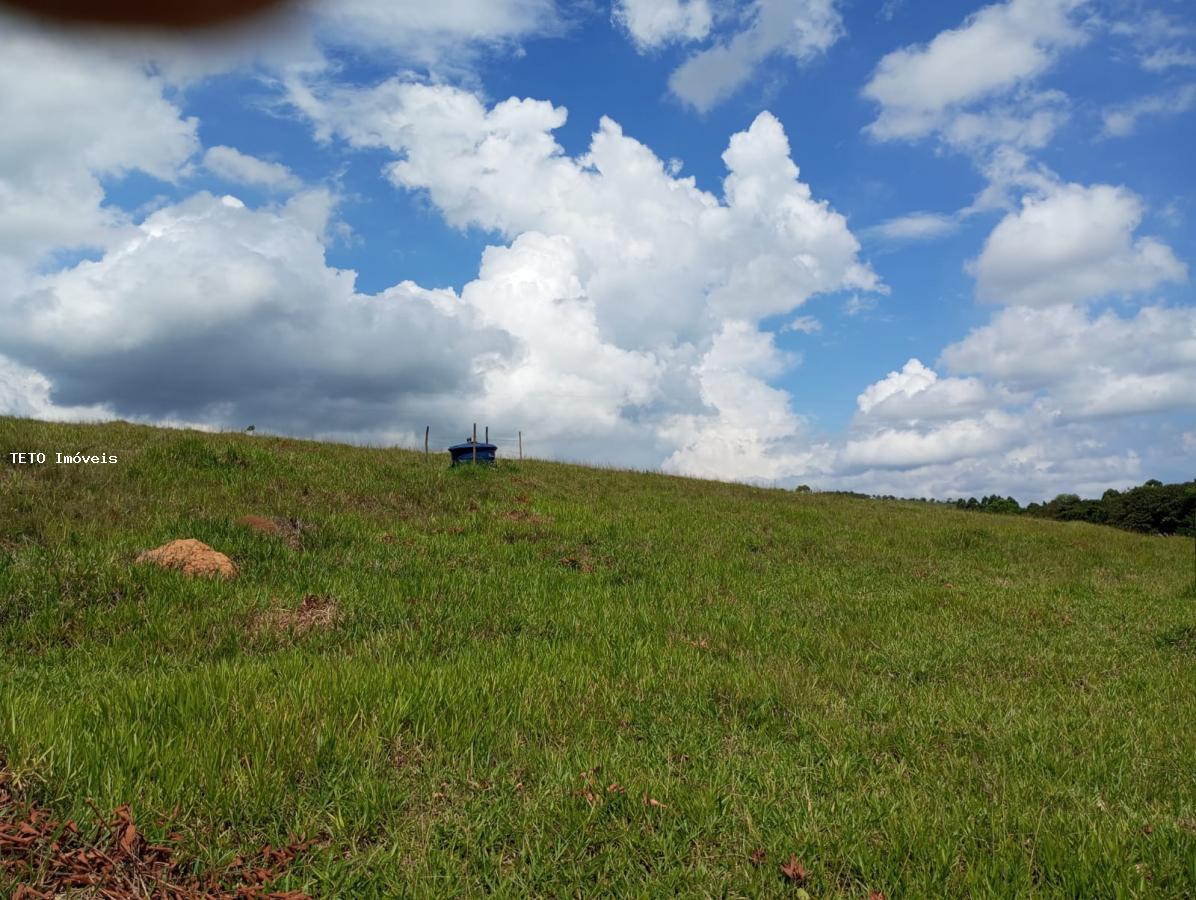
[{"x": 550, "y": 680}]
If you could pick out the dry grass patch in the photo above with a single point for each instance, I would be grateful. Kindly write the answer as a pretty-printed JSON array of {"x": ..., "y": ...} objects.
[
  {"x": 314, "y": 612},
  {"x": 526, "y": 516}
]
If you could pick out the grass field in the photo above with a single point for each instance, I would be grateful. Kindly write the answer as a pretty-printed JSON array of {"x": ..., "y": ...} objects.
[{"x": 549, "y": 680}]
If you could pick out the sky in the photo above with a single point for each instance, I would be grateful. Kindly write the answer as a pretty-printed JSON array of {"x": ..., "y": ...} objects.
[{"x": 921, "y": 248}]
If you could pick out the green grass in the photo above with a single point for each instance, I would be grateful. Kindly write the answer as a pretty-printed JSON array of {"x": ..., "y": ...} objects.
[{"x": 916, "y": 700}]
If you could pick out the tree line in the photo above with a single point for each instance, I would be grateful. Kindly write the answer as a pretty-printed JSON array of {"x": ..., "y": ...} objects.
[{"x": 1152, "y": 507}]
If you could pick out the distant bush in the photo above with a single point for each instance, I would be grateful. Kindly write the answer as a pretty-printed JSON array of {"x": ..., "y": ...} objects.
[{"x": 993, "y": 503}]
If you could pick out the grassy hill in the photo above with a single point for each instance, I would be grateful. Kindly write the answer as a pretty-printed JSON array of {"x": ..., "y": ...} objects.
[{"x": 552, "y": 680}]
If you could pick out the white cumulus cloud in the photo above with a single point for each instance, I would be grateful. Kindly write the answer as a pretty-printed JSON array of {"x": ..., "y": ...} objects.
[
  {"x": 72, "y": 114},
  {"x": 212, "y": 311},
  {"x": 651, "y": 23},
  {"x": 660, "y": 258},
  {"x": 1003, "y": 46},
  {"x": 1074, "y": 244},
  {"x": 1088, "y": 366},
  {"x": 619, "y": 301}
]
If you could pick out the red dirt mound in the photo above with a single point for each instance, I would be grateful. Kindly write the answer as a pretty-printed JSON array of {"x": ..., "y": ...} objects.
[{"x": 191, "y": 557}]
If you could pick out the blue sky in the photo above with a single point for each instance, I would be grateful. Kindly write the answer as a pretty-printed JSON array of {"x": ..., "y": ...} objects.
[{"x": 337, "y": 224}]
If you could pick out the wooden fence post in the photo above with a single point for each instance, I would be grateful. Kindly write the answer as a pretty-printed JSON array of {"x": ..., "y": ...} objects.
[
  {"x": 475, "y": 443},
  {"x": 427, "y": 429},
  {"x": 487, "y": 434},
  {"x": 521, "y": 445}
]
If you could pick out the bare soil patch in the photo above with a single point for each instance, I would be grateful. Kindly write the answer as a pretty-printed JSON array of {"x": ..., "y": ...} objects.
[
  {"x": 581, "y": 563},
  {"x": 191, "y": 557},
  {"x": 289, "y": 529}
]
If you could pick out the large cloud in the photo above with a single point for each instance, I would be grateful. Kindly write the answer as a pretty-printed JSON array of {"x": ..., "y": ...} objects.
[
  {"x": 1089, "y": 366},
  {"x": 71, "y": 115},
  {"x": 644, "y": 271},
  {"x": 921, "y": 434},
  {"x": 210, "y": 311},
  {"x": 660, "y": 259},
  {"x": 1044, "y": 401},
  {"x": 612, "y": 307},
  {"x": 1075, "y": 244},
  {"x": 1001, "y": 47}
]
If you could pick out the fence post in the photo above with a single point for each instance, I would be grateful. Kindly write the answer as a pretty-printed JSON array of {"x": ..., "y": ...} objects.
[
  {"x": 427, "y": 429},
  {"x": 521, "y": 446},
  {"x": 475, "y": 443},
  {"x": 487, "y": 434}
]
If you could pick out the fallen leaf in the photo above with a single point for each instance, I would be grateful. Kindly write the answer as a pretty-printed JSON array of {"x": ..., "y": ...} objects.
[
  {"x": 794, "y": 869},
  {"x": 876, "y": 895},
  {"x": 128, "y": 838},
  {"x": 758, "y": 856}
]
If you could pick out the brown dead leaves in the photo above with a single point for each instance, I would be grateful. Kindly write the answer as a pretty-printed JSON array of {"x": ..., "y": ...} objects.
[
  {"x": 314, "y": 612},
  {"x": 590, "y": 789},
  {"x": 594, "y": 793},
  {"x": 794, "y": 870},
  {"x": 45, "y": 857}
]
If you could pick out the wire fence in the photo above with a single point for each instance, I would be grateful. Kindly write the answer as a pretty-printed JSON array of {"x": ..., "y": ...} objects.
[{"x": 509, "y": 443}]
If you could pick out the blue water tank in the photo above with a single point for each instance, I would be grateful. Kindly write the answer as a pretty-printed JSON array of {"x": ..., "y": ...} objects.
[{"x": 463, "y": 454}]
